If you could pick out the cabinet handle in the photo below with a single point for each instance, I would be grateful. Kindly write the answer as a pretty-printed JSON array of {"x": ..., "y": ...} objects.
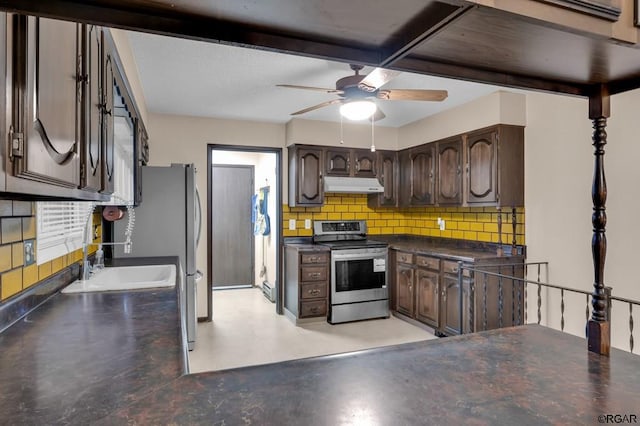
[
  {"x": 314, "y": 275},
  {"x": 331, "y": 164},
  {"x": 348, "y": 165},
  {"x": 357, "y": 165},
  {"x": 314, "y": 291},
  {"x": 458, "y": 170}
]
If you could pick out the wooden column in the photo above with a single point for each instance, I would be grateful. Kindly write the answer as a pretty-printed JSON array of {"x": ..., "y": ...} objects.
[{"x": 599, "y": 339}]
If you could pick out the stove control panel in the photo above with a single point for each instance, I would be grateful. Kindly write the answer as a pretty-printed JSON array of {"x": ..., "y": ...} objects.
[{"x": 339, "y": 227}]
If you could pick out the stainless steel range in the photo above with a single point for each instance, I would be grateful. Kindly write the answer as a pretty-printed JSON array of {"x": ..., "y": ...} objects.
[{"x": 358, "y": 271}]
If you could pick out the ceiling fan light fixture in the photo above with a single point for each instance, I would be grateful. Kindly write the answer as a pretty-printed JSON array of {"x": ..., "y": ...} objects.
[{"x": 358, "y": 110}]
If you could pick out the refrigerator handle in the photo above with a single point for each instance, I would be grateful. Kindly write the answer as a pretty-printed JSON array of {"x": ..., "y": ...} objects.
[{"x": 198, "y": 214}]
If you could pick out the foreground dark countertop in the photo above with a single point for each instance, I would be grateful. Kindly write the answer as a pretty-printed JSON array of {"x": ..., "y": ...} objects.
[
  {"x": 115, "y": 358},
  {"x": 527, "y": 375}
]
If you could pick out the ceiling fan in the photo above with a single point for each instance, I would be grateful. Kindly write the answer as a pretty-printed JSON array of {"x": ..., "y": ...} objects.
[{"x": 356, "y": 93}]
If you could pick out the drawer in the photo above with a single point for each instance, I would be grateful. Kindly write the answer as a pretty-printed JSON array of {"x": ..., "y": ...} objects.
[
  {"x": 313, "y": 273},
  {"x": 403, "y": 257},
  {"x": 318, "y": 257},
  {"x": 428, "y": 262},
  {"x": 313, "y": 308},
  {"x": 451, "y": 267},
  {"x": 313, "y": 290}
]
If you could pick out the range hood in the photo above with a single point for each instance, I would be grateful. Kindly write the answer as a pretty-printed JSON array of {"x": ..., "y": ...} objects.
[{"x": 352, "y": 185}]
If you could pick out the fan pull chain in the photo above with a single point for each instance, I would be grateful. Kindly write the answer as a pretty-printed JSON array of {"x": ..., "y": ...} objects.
[
  {"x": 373, "y": 146},
  {"x": 341, "y": 132}
]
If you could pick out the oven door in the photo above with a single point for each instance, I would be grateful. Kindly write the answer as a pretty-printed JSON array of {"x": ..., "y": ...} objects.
[{"x": 358, "y": 275}]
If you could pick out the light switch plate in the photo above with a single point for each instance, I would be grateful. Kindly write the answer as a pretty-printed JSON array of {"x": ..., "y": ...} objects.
[
  {"x": 307, "y": 224},
  {"x": 292, "y": 224}
]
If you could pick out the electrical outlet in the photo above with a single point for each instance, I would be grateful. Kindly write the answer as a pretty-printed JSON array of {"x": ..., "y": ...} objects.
[
  {"x": 442, "y": 226},
  {"x": 307, "y": 224},
  {"x": 29, "y": 252},
  {"x": 292, "y": 224}
]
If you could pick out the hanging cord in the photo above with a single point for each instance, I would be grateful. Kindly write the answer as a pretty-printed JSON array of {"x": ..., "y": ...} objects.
[
  {"x": 373, "y": 146},
  {"x": 341, "y": 132}
]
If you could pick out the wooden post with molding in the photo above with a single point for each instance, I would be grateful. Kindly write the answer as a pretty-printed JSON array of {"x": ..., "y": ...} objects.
[{"x": 598, "y": 328}]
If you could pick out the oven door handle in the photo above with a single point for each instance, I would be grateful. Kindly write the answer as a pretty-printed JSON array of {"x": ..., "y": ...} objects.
[{"x": 357, "y": 256}]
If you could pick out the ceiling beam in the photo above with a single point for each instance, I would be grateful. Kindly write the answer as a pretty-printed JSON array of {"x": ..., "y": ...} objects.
[
  {"x": 426, "y": 66},
  {"x": 193, "y": 27},
  {"x": 422, "y": 27}
]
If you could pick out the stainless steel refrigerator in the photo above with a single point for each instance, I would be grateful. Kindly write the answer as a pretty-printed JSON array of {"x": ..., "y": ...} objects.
[{"x": 168, "y": 223}]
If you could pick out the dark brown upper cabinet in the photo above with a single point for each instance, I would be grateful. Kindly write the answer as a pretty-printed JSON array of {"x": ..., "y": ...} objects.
[
  {"x": 46, "y": 97},
  {"x": 387, "y": 163},
  {"x": 305, "y": 176},
  {"x": 338, "y": 162},
  {"x": 350, "y": 162},
  {"x": 59, "y": 104},
  {"x": 364, "y": 163},
  {"x": 108, "y": 145},
  {"x": 450, "y": 172},
  {"x": 417, "y": 175},
  {"x": 495, "y": 166},
  {"x": 92, "y": 155}
]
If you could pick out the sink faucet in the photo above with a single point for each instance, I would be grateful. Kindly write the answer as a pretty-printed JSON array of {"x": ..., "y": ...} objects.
[{"x": 86, "y": 242}]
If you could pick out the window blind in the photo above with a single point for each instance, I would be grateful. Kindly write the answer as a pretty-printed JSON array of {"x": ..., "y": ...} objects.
[{"x": 60, "y": 228}]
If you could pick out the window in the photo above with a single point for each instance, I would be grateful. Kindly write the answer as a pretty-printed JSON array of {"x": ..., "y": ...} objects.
[{"x": 60, "y": 228}]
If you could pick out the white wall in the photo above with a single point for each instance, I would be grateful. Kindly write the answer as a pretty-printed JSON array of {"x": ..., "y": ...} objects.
[
  {"x": 498, "y": 107},
  {"x": 125, "y": 53},
  {"x": 354, "y": 135},
  {"x": 558, "y": 176}
]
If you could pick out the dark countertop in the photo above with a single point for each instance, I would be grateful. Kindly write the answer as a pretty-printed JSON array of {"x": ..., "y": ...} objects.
[
  {"x": 116, "y": 358},
  {"x": 527, "y": 375},
  {"x": 443, "y": 247},
  {"x": 79, "y": 357}
]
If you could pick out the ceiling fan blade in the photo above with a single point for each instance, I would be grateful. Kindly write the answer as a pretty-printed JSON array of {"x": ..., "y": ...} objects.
[
  {"x": 376, "y": 79},
  {"x": 322, "y": 105},
  {"x": 413, "y": 95},
  {"x": 378, "y": 115},
  {"x": 317, "y": 89}
]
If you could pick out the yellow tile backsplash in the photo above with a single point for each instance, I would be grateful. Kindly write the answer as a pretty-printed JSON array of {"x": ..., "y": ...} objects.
[
  {"x": 18, "y": 223},
  {"x": 468, "y": 223}
]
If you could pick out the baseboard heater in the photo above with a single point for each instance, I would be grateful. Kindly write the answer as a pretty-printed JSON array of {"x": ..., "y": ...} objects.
[{"x": 269, "y": 291}]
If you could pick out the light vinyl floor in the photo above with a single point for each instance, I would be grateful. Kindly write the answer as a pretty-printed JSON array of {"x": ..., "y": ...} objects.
[{"x": 247, "y": 331}]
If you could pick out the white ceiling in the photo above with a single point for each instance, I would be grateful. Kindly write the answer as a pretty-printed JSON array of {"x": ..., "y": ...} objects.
[{"x": 186, "y": 77}]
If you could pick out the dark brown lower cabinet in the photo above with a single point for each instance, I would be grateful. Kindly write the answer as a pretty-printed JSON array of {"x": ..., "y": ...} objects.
[
  {"x": 427, "y": 289},
  {"x": 404, "y": 289},
  {"x": 306, "y": 283},
  {"x": 427, "y": 293}
]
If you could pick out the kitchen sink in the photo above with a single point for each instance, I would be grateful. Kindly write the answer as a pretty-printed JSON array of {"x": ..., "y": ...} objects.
[{"x": 126, "y": 278}]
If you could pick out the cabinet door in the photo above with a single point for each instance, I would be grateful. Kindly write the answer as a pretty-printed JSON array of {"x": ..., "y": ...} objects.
[
  {"x": 421, "y": 175},
  {"x": 427, "y": 288},
  {"x": 108, "y": 153},
  {"x": 365, "y": 163},
  {"x": 91, "y": 153},
  {"x": 309, "y": 176},
  {"x": 47, "y": 100},
  {"x": 387, "y": 164},
  {"x": 338, "y": 162},
  {"x": 450, "y": 305},
  {"x": 482, "y": 169},
  {"x": 404, "y": 289},
  {"x": 450, "y": 172}
]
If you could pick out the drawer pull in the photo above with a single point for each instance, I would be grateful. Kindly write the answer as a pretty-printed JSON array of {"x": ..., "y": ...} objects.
[
  {"x": 314, "y": 275},
  {"x": 314, "y": 291},
  {"x": 314, "y": 259},
  {"x": 314, "y": 309}
]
